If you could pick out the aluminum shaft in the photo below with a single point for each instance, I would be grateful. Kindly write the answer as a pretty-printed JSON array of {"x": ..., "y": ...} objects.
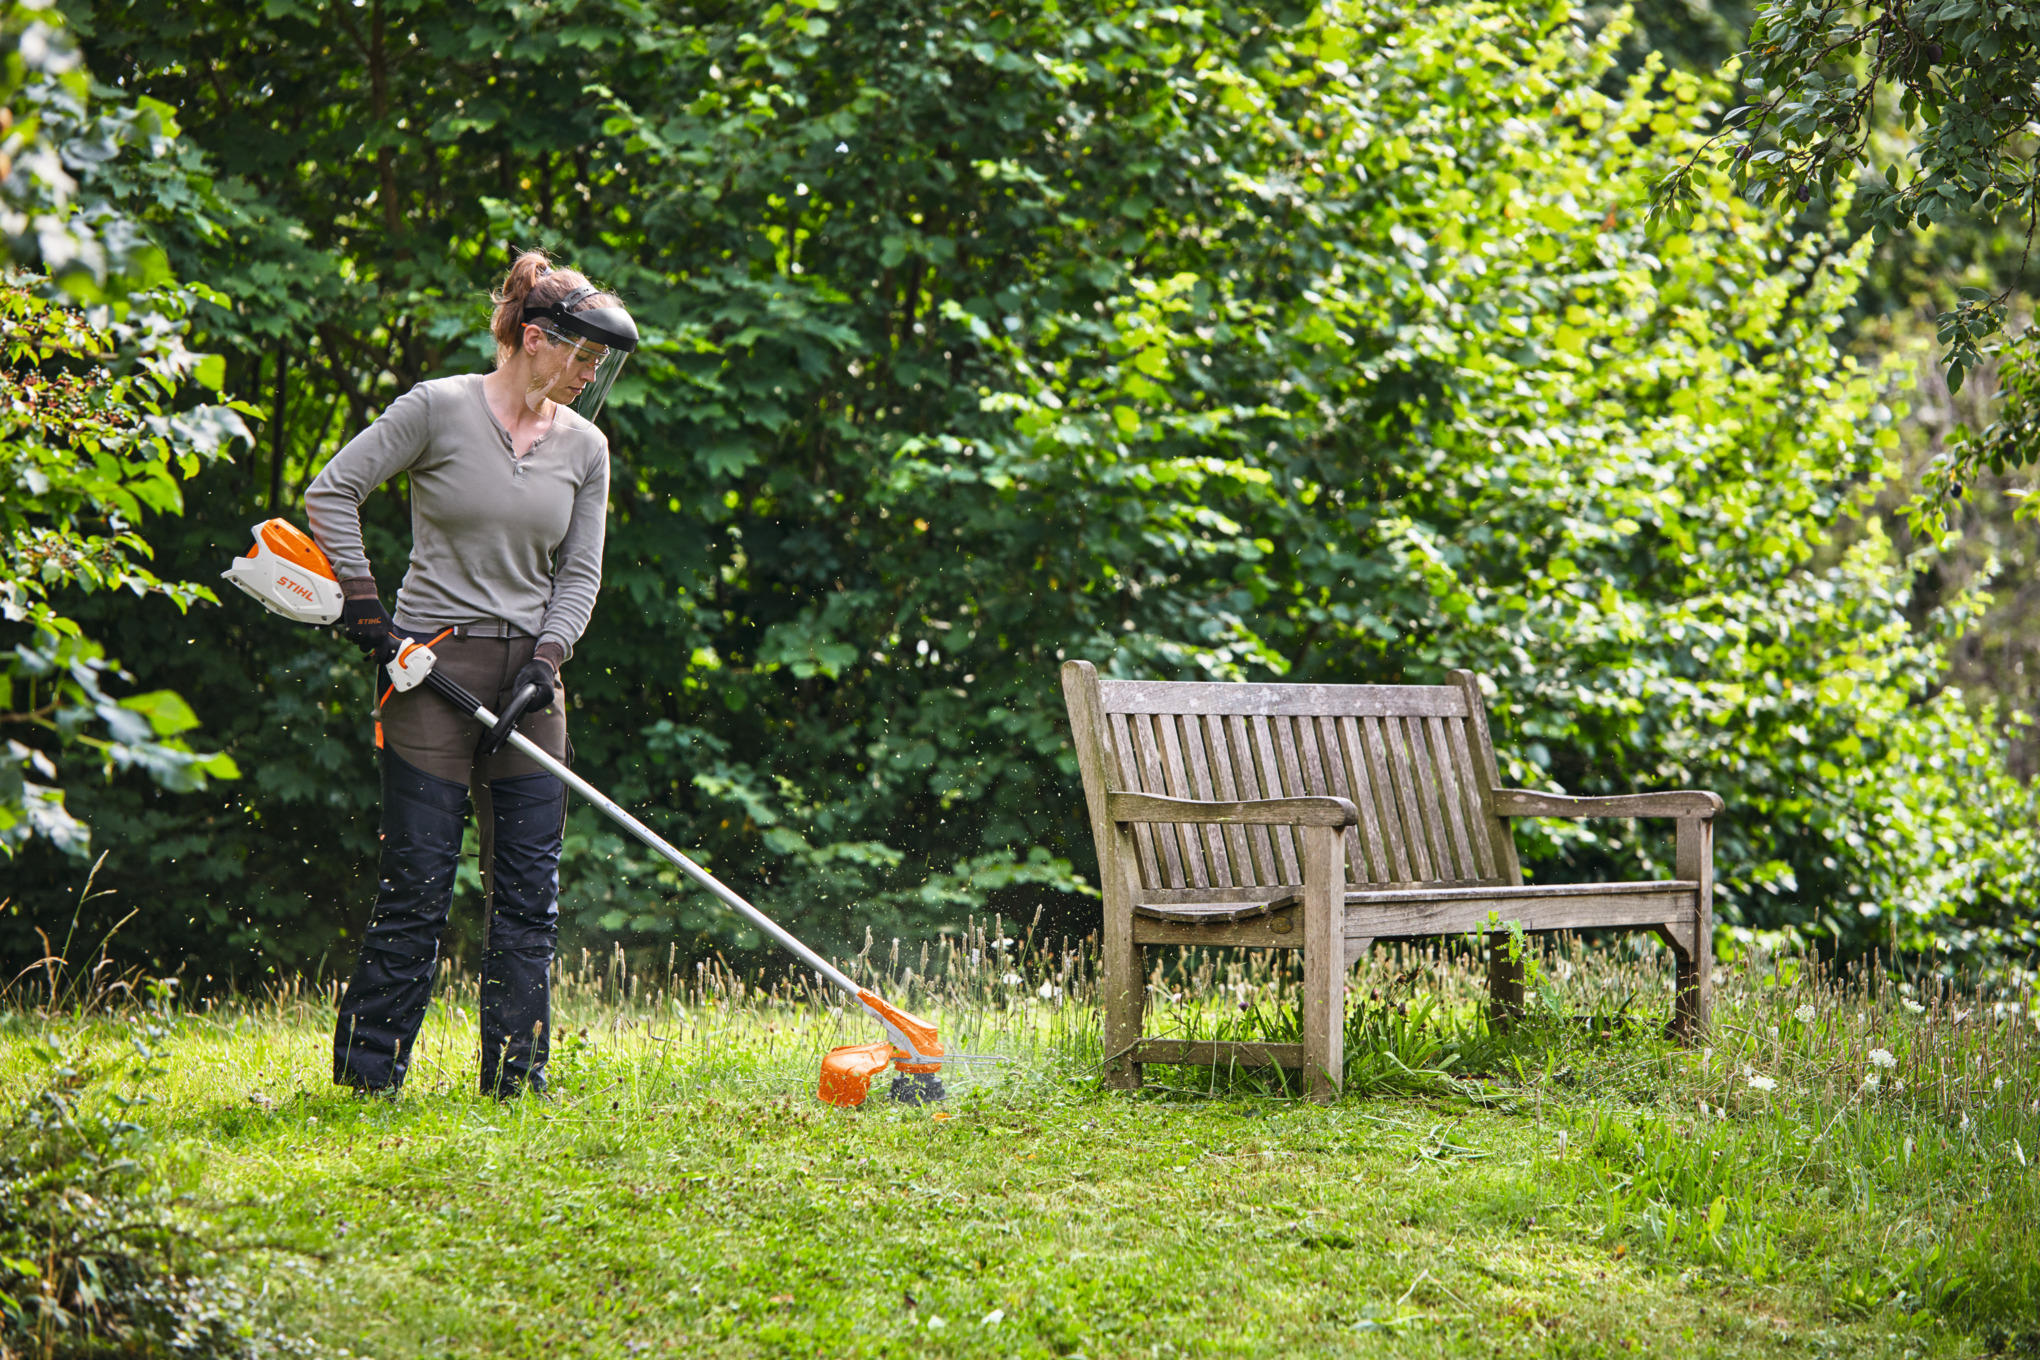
[{"x": 452, "y": 692}]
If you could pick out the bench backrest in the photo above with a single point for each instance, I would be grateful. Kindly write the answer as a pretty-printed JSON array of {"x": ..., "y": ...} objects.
[{"x": 1415, "y": 759}]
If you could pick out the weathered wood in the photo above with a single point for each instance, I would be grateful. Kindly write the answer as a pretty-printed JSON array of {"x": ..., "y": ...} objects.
[
  {"x": 1260, "y": 842},
  {"x": 1323, "y": 1002},
  {"x": 1430, "y": 801},
  {"x": 1385, "y": 803},
  {"x": 1275, "y": 930},
  {"x": 1267, "y": 765},
  {"x": 1478, "y": 816},
  {"x": 1693, "y": 853},
  {"x": 1451, "y": 795},
  {"x": 1404, "y": 782},
  {"x": 1218, "y": 1053},
  {"x": 1127, "y": 765},
  {"x": 1123, "y": 981},
  {"x": 1339, "y": 786},
  {"x": 1487, "y": 775},
  {"x": 1295, "y": 701},
  {"x": 1356, "y": 949},
  {"x": 1325, "y": 818},
  {"x": 1311, "y": 811},
  {"x": 1672, "y": 803},
  {"x": 1505, "y": 983},
  {"x": 1148, "y": 760},
  {"x": 1176, "y": 765},
  {"x": 1465, "y": 910},
  {"x": 1374, "y": 867},
  {"x": 1239, "y": 860},
  {"x": 1214, "y": 913}
]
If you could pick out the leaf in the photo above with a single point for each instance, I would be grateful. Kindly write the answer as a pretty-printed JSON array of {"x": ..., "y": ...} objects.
[{"x": 166, "y": 711}]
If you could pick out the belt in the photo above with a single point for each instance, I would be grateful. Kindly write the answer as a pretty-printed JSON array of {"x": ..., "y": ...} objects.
[{"x": 490, "y": 628}]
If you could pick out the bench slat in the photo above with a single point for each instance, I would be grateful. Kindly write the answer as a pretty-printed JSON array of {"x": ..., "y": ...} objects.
[
  {"x": 1306, "y": 701},
  {"x": 1267, "y": 763},
  {"x": 1240, "y": 755},
  {"x": 1239, "y": 862},
  {"x": 1554, "y": 907},
  {"x": 1175, "y": 769},
  {"x": 1431, "y": 802},
  {"x": 1218, "y": 1053},
  {"x": 1469, "y": 790},
  {"x": 1132, "y": 776},
  {"x": 1353, "y": 760},
  {"x": 1454, "y": 799},
  {"x": 1415, "y": 833}
]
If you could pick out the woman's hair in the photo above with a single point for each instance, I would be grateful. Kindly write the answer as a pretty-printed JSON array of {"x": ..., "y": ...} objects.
[{"x": 533, "y": 279}]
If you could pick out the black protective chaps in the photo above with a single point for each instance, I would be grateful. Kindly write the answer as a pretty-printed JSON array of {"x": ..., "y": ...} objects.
[{"x": 422, "y": 820}]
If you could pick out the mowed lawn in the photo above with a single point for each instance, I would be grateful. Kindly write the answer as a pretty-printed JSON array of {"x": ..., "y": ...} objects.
[{"x": 684, "y": 1193}]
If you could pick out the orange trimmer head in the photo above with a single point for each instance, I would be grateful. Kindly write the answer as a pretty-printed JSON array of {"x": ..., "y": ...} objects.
[{"x": 847, "y": 1071}]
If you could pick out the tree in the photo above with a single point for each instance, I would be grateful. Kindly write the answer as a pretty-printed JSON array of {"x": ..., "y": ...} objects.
[
  {"x": 93, "y": 435},
  {"x": 1249, "y": 343},
  {"x": 1961, "y": 80}
]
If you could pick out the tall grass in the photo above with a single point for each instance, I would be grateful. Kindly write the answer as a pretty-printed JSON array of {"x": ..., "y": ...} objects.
[{"x": 1869, "y": 1128}]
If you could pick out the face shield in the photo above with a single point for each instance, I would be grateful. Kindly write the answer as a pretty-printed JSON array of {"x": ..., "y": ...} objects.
[{"x": 582, "y": 355}]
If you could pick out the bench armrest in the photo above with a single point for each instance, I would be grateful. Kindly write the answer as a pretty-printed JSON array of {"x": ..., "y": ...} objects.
[
  {"x": 1148, "y": 807},
  {"x": 1675, "y": 803}
]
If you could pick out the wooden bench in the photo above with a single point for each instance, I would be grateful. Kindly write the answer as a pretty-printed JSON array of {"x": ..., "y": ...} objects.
[{"x": 1324, "y": 818}]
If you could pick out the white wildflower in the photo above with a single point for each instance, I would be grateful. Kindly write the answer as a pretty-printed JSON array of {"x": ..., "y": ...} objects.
[
  {"x": 1965, "y": 1121},
  {"x": 1871, "y": 1081},
  {"x": 1905, "y": 989},
  {"x": 1898, "y": 1083},
  {"x": 1720, "y": 1113},
  {"x": 1012, "y": 979},
  {"x": 1960, "y": 1016},
  {"x": 1761, "y": 1083},
  {"x": 993, "y": 1318},
  {"x": 1774, "y": 1031},
  {"x": 1998, "y": 1085},
  {"x": 1049, "y": 991},
  {"x": 1881, "y": 1057},
  {"x": 1805, "y": 1014},
  {"x": 935, "y": 1320},
  {"x": 1915, "y": 1007}
]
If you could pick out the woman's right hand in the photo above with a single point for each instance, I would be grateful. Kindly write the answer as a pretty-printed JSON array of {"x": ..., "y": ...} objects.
[{"x": 365, "y": 623}]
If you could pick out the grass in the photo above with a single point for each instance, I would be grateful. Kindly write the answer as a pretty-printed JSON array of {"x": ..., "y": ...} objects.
[{"x": 1573, "y": 1187}]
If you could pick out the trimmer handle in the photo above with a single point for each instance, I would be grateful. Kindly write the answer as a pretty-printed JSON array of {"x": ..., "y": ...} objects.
[{"x": 506, "y": 723}]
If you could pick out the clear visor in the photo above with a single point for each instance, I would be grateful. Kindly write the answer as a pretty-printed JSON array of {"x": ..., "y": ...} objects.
[{"x": 574, "y": 372}]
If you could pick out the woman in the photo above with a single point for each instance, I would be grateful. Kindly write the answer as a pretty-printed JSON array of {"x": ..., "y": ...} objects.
[{"x": 509, "y": 490}]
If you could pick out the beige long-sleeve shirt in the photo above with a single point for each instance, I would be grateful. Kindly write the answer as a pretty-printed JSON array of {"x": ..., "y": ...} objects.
[{"x": 492, "y": 536}]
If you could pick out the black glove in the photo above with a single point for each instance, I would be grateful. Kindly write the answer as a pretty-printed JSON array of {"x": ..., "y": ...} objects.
[
  {"x": 530, "y": 692},
  {"x": 366, "y": 624}
]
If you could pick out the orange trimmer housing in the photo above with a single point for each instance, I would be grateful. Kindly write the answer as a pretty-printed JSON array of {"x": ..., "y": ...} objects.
[{"x": 847, "y": 1071}]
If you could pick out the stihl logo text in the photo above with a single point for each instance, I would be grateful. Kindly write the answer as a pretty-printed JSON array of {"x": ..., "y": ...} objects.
[{"x": 294, "y": 588}]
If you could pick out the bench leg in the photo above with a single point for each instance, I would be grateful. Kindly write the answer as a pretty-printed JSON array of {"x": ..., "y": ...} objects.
[
  {"x": 1125, "y": 969},
  {"x": 1324, "y": 962},
  {"x": 1505, "y": 984},
  {"x": 1693, "y": 994}
]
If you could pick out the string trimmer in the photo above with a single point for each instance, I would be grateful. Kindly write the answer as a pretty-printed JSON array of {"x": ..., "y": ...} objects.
[{"x": 290, "y": 576}]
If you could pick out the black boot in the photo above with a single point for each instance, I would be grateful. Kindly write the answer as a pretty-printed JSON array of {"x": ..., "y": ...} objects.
[
  {"x": 524, "y": 925},
  {"x": 422, "y": 820}
]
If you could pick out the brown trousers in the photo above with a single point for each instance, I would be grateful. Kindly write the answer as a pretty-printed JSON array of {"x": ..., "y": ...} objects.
[{"x": 431, "y": 734}]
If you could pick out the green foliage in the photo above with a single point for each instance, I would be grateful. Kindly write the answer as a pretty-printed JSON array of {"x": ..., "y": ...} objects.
[
  {"x": 1963, "y": 73},
  {"x": 1206, "y": 344},
  {"x": 95, "y": 1259},
  {"x": 95, "y": 432}
]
